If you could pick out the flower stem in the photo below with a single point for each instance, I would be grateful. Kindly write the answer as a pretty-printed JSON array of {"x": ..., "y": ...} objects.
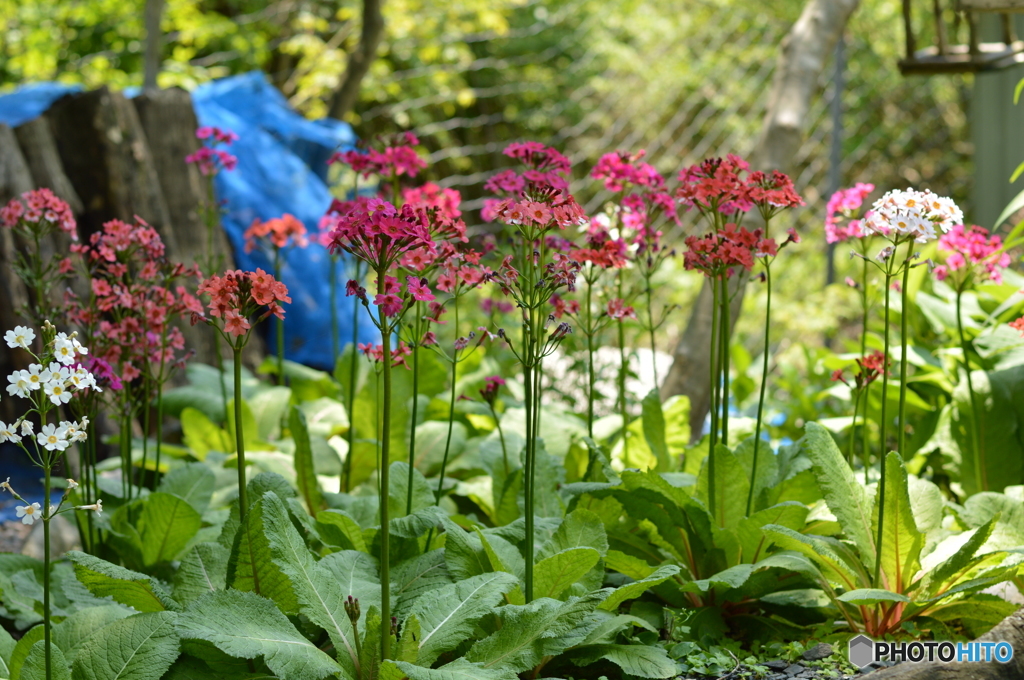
[
  {"x": 46, "y": 563},
  {"x": 279, "y": 324},
  {"x": 591, "y": 378},
  {"x": 334, "y": 312},
  {"x": 881, "y": 453},
  {"x": 980, "y": 471},
  {"x": 385, "y": 485},
  {"x": 146, "y": 387},
  {"x": 865, "y": 307},
  {"x": 220, "y": 370},
  {"x": 650, "y": 330},
  {"x": 412, "y": 425},
  {"x": 243, "y": 506},
  {"x": 501, "y": 436},
  {"x": 451, "y": 410},
  {"x": 764, "y": 384},
  {"x": 851, "y": 452},
  {"x": 623, "y": 369},
  {"x": 528, "y": 499},
  {"x": 713, "y": 439},
  {"x": 353, "y": 371},
  {"x": 904, "y": 315},
  {"x": 725, "y": 333}
]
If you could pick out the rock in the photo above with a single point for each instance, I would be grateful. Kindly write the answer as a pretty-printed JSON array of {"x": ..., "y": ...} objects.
[
  {"x": 63, "y": 537},
  {"x": 777, "y": 665},
  {"x": 794, "y": 669},
  {"x": 818, "y": 652}
]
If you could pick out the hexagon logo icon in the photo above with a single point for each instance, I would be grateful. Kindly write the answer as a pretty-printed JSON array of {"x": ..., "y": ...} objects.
[{"x": 861, "y": 651}]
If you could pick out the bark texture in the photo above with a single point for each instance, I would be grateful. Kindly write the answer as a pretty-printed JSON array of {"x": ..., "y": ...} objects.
[
  {"x": 359, "y": 60},
  {"x": 803, "y": 55}
]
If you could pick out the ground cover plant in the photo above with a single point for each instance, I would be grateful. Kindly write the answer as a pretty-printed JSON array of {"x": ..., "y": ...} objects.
[{"x": 433, "y": 508}]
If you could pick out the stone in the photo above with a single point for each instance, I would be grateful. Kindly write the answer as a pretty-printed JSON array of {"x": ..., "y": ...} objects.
[
  {"x": 794, "y": 669},
  {"x": 777, "y": 665},
  {"x": 818, "y": 652}
]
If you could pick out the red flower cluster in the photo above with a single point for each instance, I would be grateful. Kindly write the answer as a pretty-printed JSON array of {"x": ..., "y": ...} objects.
[
  {"x": 278, "y": 230},
  {"x": 377, "y": 233},
  {"x": 133, "y": 299},
  {"x": 972, "y": 250},
  {"x": 445, "y": 201},
  {"x": 41, "y": 209},
  {"x": 870, "y": 368},
  {"x": 237, "y": 295},
  {"x": 398, "y": 157},
  {"x": 490, "y": 390},
  {"x": 376, "y": 353},
  {"x": 1018, "y": 325},
  {"x": 559, "y": 209},
  {"x": 718, "y": 185},
  {"x": 620, "y": 171},
  {"x": 547, "y": 175},
  {"x": 730, "y": 247},
  {"x": 209, "y": 158}
]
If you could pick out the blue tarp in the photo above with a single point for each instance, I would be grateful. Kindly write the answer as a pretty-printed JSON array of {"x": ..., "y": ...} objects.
[{"x": 281, "y": 169}]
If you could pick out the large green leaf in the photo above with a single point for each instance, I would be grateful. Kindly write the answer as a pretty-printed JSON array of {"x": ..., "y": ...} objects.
[
  {"x": 832, "y": 566},
  {"x": 193, "y": 483},
  {"x": 319, "y": 593},
  {"x": 356, "y": 574},
  {"x": 949, "y": 570},
  {"x": 7, "y": 645},
  {"x": 463, "y": 553},
  {"x": 252, "y": 568},
  {"x": 654, "y": 429},
  {"x": 268, "y": 408},
  {"x": 305, "y": 472},
  {"x": 140, "y": 647},
  {"x": 103, "y": 579},
  {"x": 77, "y": 629},
  {"x": 415, "y": 576},
  {"x": 35, "y": 664},
  {"x": 1000, "y": 395},
  {"x": 460, "y": 669},
  {"x": 640, "y": 661},
  {"x": 732, "y": 482},
  {"x": 167, "y": 525},
  {"x": 845, "y": 497},
  {"x": 553, "y": 575},
  {"x": 422, "y": 495},
  {"x": 23, "y": 648},
  {"x": 199, "y": 432},
  {"x": 204, "y": 568},
  {"x": 245, "y": 625},
  {"x": 338, "y": 528},
  {"x": 753, "y": 542},
  {"x": 901, "y": 541},
  {"x": 580, "y": 529},
  {"x": 869, "y": 596},
  {"x": 638, "y": 587},
  {"x": 531, "y": 632},
  {"x": 449, "y": 614}
]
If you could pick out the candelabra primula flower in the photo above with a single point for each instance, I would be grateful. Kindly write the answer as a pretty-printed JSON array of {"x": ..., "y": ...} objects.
[
  {"x": 28, "y": 513},
  {"x": 911, "y": 214},
  {"x": 39, "y": 211},
  {"x": 397, "y": 157},
  {"x": 971, "y": 252},
  {"x": 280, "y": 231},
  {"x": 840, "y": 222},
  {"x": 208, "y": 158},
  {"x": 237, "y": 295},
  {"x": 21, "y": 336}
]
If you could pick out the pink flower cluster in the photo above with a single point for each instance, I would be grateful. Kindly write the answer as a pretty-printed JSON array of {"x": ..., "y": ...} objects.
[
  {"x": 237, "y": 295},
  {"x": 377, "y": 233},
  {"x": 972, "y": 251},
  {"x": 376, "y": 353},
  {"x": 718, "y": 185},
  {"x": 398, "y": 157},
  {"x": 547, "y": 173},
  {"x": 208, "y": 157},
  {"x": 278, "y": 231},
  {"x": 842, "y": 206},
  {"x": 730, "y": 247},
  {"x": 621, "y": 170},
  {"x": 39, "y": 208}
]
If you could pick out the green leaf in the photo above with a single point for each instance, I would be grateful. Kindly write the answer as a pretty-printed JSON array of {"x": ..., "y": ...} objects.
[
  {"x": 869, "y": 596},
  {"x": 252, "y": 568},
  {"x": 103, "y": 579},
  {"x": 631, "y": 566},
  {"x": 409, "y": 644},
  {"x": 1017, "y": 173},
  {"x": 23, "y": 648},
  {"x": 193, "y": 483},
  {"x": 753, "y": 542},
  {"x": 938, "y": 579},
  {"x": 415, "y": 576},
  {"x": 268, "y": 408},
  {"x": 140, "y": 647},
  {"x": 1011, "y": 208},
  {"x": 346, "y": 378},
  {"x": 35, "y": 664},
  {"x": 580, "y": 529},
  {"x": 732, "y": 481},
  {"x": 356, "y": 574},
  {"x": 319, "y": 593},
  {"x": 7, "y": 645},
  {"x": 901, "y": 541},
  {"x": 250, "y": 433},
  {"x": 463, "y": 553},
  {"x": 654, "y": 429},
  {"x": 369, "y": 654},
  {"x": 305, "y": 473},
  {"x": 641, "y": 661},
  {"x": 533, "y": 631},
  {"x": 1017, "y": 90},
  {"x": 449, "y": 614},
  {"x": 77, "y": 629},
  {"x": 553, "y": 575},
  {"x": 638, "y": 587},
  {"x": 1001, "y": 398},
  {"x": 204, "y": 568},
  {"x": 847, "y": 499},
  {"x": 832, "y": 566},
  {"x": 200, "y": 434},
  {"x": 337, "y": 528},
  {"x": 460, "y": 669},
  {"x": 245, "y": 625},
  {"x": 422, "y": 495},
  {"x": 167, "y": 525}
]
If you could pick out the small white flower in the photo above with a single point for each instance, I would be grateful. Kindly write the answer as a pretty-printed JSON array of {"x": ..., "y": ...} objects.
[
  {"x": 8, "y": 434},
  {"x": 28, "y": 513},
  {"x": 64, "y": 349},
  {"x": 56, "y": 373},
  {"x": 27, "y": 428},
  {"x": 57, "y": 393},
  {"x": 97, "y": 506},
  {"x": 34, "y": 376},
  {"x": 52, "y": 438},
  {"x": 20, "y": 385},
  {"x": 21, "y": 336},
  {"x": 81, "y": 379},
  {"x": 79, "y": 347},
  {"x": 6, "y": 485},
  {"x": 72, "y": 484},
  {"x": 74, "y": 431}
]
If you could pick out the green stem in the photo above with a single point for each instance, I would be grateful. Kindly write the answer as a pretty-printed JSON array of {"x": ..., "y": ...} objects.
[
  {"x": 46, "y": 565},
  {"x": 385, "y": 450},
  {"x": 412, "y": 426},
  {"x": 243, "y": 506},
  {"x": 591, "y": 378},
  {"x": 501, "y": 436},
  {"x": 980, "y": 470},
  {"x": 725, "y": 333},
  {"x": 334, "y": 312},
  {"x": 904, "y": 316},
  {"x": 650, "y": 330},
  {"x": 159, "y": 428},
  {"x": 279, "y": 324},
  {"x": 353, "y": 372},
  {"x": 146, "y": 387},
  {"x": 864, "y": 431},
  {"x": 528, "y": 477},
  {"x": 851, "y": 452},
  {"x": 713, "y": 438},
  {"x": 881, "y": 454},
  {"x": 764, "y": 384}
]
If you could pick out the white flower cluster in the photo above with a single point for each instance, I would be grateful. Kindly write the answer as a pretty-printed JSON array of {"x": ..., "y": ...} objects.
[
  {"x": 59, "y": 379},
  {"x": 53, "y": 437},
  {"x": 915, "y": 214}
]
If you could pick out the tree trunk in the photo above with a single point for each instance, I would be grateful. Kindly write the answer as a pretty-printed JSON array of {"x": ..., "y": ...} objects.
[
  {"x": 152, "y": 59},
  {"x": 40, "y": 150},
  {"x": 360, "y": 60},
  {"x": 803, "y": 55}
]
